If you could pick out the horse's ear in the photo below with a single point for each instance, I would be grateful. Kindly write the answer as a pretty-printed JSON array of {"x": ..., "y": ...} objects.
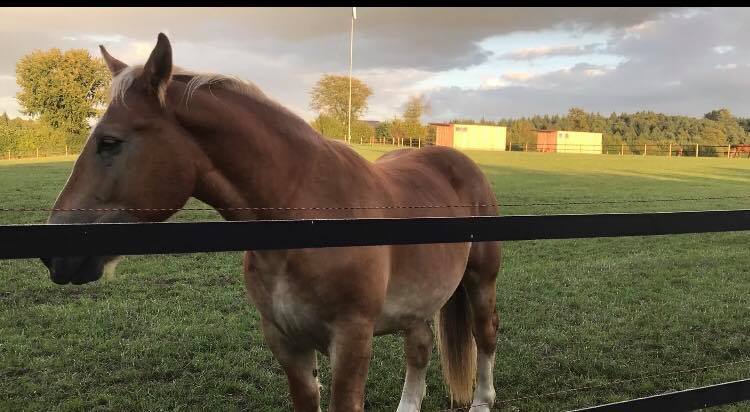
[
  {"x": 115, "y": 66},
  {"x": 158, "y": 68}
]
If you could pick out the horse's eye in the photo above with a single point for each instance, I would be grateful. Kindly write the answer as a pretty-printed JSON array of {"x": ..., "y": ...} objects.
[{"x": 108, "y": 144}]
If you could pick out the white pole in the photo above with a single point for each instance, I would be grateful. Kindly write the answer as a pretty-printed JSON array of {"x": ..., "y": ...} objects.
[{"x": 351, "y": 54}]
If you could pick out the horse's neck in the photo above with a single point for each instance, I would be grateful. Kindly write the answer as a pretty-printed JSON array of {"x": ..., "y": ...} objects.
[{"x": 267, "y": 159}]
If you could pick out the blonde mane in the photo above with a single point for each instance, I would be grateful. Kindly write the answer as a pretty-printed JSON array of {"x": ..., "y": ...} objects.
[{"x": 125, "y": 79}]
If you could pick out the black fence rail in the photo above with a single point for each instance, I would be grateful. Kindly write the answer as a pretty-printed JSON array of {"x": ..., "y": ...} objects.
[
  {"x": 687, "y": 400},
  {"x": 32, "y": 241},
  {"x": 40, "y": 240}
]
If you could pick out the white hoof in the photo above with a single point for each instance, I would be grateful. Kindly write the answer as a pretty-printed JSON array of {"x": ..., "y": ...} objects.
[{"x": 482, "y": 407}]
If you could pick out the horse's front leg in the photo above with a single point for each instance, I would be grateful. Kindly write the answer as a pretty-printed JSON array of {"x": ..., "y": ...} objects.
[
  {"x": 350, "y": 353},
  {"x": 301, "y": 368}
]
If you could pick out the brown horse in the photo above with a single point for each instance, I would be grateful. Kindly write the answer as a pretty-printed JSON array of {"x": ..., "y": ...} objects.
[
  {"x": 738, "y": 149},
  {"x": 168, "y": 135}
]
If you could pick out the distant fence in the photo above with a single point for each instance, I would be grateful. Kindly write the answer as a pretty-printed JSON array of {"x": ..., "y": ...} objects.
[
  {"x": 35, "y": 240},
  {"x": 668, "y": 150},
  {"x": 36, "y": 153}
]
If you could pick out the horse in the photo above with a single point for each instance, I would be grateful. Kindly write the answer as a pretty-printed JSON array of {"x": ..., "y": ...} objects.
[
  {"x": 169, "y": 134},
  {"x": 738, "y": 149}
]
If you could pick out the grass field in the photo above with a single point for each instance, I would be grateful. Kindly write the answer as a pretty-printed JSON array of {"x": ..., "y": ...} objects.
[{"x": 174, "y": 332}]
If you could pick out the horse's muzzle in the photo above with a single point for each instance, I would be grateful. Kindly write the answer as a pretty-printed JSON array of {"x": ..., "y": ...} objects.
[{"x": 75, "y": 270}]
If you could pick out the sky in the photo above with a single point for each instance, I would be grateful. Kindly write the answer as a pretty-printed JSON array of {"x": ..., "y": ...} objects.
[{"x": 466, "y": 62}]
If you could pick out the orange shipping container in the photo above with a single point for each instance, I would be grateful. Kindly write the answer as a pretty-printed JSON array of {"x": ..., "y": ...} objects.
[
  {"x": 444, "y": 135},
  {"x": 546, "y": 141}
]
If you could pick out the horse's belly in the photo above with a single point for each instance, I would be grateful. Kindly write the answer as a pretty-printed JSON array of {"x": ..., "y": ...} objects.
[{"x": 418, "y": 291}]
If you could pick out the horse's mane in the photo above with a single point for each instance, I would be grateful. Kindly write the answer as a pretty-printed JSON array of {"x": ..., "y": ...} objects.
[
  {"x": 122, "y": 82},
  {"x": 194, "y": 81}
]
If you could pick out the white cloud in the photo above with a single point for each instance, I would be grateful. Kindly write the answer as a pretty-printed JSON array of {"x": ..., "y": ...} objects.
[
  {"x": 531, "y": 53},
  {"x": 493, "y": 83},
  {"x": 723, "y": 49},
  {"x": 594, "y": 72},
  {"x": 730, "y": 66},
  {"x": 517, "y": 76},
  {"x": 637, "y": 30},
  {"x": 10, "y": 105}
]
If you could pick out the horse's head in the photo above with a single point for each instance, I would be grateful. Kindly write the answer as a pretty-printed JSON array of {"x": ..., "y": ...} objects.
[{"x": 137, "y": 157}]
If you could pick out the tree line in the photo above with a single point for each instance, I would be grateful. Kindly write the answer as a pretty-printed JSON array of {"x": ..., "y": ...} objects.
[
  {"x": 715, "y": 128},
  {"x": 61, "y": 91}
]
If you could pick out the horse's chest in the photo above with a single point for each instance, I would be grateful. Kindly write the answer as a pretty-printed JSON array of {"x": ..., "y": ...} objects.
[
  {"x": 292, "y": 312},
  {"x": 283, "y": 302}
]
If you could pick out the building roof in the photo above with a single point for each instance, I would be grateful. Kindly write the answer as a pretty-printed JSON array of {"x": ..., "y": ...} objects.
[
  {"x": 465, "y": 124},
  {"x": 559, "y": 130}
]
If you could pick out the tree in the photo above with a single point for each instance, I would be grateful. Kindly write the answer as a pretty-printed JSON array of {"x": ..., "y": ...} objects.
[
  {"x": 414, "y": 108},
  {"x": 4, "y": 117},
  {"x": 578, "y": 119},
  {"x": 63, "y": 89},
  {"x": 334, "y": 129},
  {"x": 330, "y": 96},
  {"x": 730, "y": 127}
]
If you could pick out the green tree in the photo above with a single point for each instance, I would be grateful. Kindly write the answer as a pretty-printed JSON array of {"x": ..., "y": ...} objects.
[
  {"x": 730, "y": 127},
  {"x": 330, "y": 97},
  {"x": 577, "y": 119},
  {"x": 335, "y": 129},
  {"x": 329, "y": 127},
  {"x": 63, "y": 89},
  {"x": 414, "y": 108}
]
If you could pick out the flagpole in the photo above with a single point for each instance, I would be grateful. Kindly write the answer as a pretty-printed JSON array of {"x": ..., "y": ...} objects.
[{"x": 351, "y": 54}]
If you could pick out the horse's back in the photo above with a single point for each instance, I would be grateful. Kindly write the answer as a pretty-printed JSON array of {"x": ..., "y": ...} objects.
[{"x": 438, "y": 174}]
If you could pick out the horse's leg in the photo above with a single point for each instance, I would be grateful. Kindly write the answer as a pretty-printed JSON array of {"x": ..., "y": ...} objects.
[
  {"x": 418, "y": 346},
  {"x": 300, "y": 366},
  {"x": 484, "y": 264},
  {"x": 350, "y": 353}
]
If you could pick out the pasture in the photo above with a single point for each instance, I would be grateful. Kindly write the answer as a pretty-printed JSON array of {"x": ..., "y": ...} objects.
[{"x": 175, "y": 332}]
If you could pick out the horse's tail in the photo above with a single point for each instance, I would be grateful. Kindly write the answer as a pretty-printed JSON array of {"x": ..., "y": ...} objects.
[{"x": 455, "y": 343}]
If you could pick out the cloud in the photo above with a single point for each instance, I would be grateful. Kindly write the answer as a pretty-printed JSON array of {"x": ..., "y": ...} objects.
[
  {"x": 532, "y": 53},
  {"x": 728, "y": 66},
  {"x": 10, "y": 105},
  {"x": 723, "y": 49},
  {"x": 431, "y": 39},
  {"x": 684, "y": 61}
]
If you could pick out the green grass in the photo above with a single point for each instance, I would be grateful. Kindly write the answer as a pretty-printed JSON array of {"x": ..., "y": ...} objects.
[{"x": 174, "y": 332}]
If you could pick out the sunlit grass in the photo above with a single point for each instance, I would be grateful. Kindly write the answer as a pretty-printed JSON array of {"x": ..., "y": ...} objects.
[{"x": 175, "y": 331}]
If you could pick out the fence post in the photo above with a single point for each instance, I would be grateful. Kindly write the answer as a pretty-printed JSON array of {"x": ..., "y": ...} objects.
[
  {"x": 525, "y": 147},
  {"x": 670, "y": 150},
  {"x": 729, "y": 150},
  {"x": 622, "y": 149},
  {"x": 645, "y": 148},
  {"x": 66, "y": 150},
  {"x": 696, "y": 150}
]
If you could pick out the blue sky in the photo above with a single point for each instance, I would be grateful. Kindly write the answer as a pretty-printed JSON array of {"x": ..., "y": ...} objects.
[{"x": 471, "y": 62}]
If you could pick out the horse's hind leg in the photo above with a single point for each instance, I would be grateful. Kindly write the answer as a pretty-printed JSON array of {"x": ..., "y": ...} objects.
[
  {"x": 481, "y": 274},
  {"x": 300, "y": 366},
  {"x": 418, "y": 346}
]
